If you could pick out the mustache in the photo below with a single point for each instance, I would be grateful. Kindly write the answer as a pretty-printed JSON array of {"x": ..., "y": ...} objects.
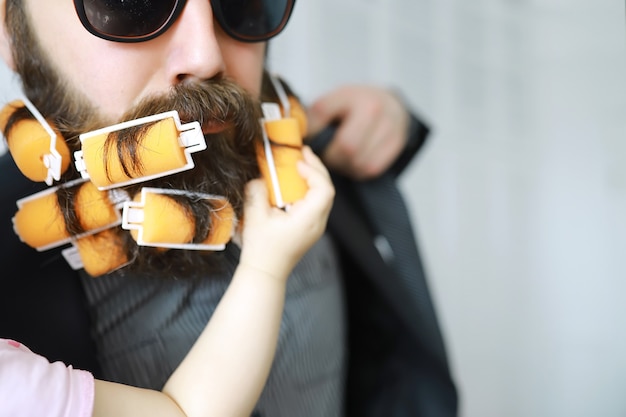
[
  {"x": 226, "y": 112},
  {"x": 223, "y": 169},
  {"x": 215, "y": 101}
]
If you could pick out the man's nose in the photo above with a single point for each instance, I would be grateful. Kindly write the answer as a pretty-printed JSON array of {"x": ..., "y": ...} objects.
[{"x": 194, "y": 50}]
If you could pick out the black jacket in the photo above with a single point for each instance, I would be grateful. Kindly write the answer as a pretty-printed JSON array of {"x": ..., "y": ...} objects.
[
  {"x": 398, "y": 364},
  {"x": 41, "y": 299}
]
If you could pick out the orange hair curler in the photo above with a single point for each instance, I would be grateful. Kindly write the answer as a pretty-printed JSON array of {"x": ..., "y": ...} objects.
[
  {"x": 278, "y": 157},
  {"x": 102, "y": 252},
  {"x": 154, "y": 218},
  {"x": 164, "y": 148},
  {"x": 94, "y": 208},
  {"x": 223, "y": 223},
  {"x": 38, "y": 149},
  {"x": 39, "y": 221},
  {"x": 297, "y": 112}
]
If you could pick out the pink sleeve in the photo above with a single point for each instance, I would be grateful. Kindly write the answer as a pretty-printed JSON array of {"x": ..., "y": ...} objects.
[{"x": 32, "y": 386}]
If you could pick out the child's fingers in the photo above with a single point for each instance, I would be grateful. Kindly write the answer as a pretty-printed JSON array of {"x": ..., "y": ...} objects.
[
  {"x": 312, "y": 159},
  {"x": 312, "y": 169},
  {"x": 318, "y": 200},
  {"x": 255, "y": 188},
  {"x": 256, "y": 195},
  {"x": 318, "y": 181}
]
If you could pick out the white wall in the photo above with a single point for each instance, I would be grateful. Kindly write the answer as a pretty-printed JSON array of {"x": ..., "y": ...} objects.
[
  {"x": 520, "y": 196},
  {"x": 9, "y": 90}
]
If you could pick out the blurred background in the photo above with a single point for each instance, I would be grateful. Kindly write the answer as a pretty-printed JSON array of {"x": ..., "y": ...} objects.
[{"x": 519, "y": 197}]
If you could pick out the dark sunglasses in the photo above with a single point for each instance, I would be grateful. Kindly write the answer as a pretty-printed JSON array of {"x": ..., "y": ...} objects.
[{"x": 142, "y": 20}]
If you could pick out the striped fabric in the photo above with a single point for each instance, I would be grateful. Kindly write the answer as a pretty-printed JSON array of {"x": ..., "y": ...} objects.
[
  {"x": 391, "y": 222},
  {"x": 143, "y": 328}
]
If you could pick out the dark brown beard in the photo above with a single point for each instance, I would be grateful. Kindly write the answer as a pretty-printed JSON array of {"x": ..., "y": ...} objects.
[
  {"x": 229, "y": 161},
  {"x": 224, "y": 168},
  {"x": 68, "y": 109}
]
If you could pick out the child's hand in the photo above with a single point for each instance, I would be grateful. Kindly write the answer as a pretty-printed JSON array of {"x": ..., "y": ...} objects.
[{"x": 274, "y": 240}]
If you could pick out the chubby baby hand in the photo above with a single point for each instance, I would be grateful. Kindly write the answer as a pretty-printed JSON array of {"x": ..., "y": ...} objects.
[{"x": 273, "y": 239}]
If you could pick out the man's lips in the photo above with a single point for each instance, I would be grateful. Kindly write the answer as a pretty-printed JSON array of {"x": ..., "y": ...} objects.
[{"x": 213, "y": 127}]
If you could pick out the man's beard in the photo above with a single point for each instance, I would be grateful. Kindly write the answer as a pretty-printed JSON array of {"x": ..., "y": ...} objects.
[{"x": 223, "y": 169}]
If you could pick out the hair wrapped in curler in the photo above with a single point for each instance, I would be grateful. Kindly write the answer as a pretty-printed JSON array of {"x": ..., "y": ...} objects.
[
  {"x": 89, "y": 226},
  {"x": 283, "y": 126},
  {"x": 102, "y": 252},
  {"x": 42, "y": 222},
  {"x": 179, "y": 219},
  {"x": 38, "y": 149},
  {"x": 138, "y": 150}
]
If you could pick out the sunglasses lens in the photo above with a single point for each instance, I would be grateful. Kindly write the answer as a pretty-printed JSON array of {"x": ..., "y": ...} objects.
[
  {"x": 254, "y": 19},
  {"x": 128, "y": 18}
]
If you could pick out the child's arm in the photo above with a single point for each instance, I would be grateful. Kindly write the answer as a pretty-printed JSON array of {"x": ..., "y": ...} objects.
[{"x": 225, "y": 371}]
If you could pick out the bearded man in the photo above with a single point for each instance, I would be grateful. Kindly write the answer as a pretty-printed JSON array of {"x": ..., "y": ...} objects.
[{"x": 359, "y": 333}]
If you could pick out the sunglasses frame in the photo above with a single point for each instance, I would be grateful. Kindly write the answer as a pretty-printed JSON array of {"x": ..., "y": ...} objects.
[{"x": 79, "y": 5}]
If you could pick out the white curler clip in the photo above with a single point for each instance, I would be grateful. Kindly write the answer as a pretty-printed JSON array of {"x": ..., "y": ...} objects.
[{"x": 165, "y": 149}]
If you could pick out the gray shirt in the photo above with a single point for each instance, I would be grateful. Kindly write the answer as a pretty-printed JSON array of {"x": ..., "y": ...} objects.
[{"x": 144, "y": 326}]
